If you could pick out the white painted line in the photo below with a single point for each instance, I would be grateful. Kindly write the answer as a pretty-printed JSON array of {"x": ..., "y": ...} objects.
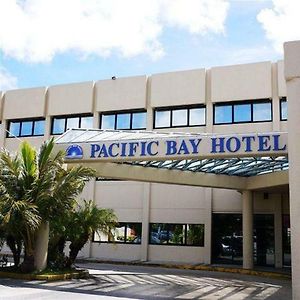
[
  {"x": 266, "y": 293},
  {"x": 116, "y": 288},
  {"x": 196, "y": 293},
  {"x": 242, "y": 294},
  {"x": 219, "y": 294}
]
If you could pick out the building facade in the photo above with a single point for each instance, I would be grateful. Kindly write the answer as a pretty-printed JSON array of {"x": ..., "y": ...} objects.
[{"x": 160, "y": 222}]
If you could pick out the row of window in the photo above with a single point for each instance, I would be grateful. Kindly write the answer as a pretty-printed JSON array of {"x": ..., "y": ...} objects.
[
  {"x": 33, "y": 127},
  {"x": 186, "y": 116},
  {"x": 243, "y": 112},
  {"x": 160, "y": 233},
  {"x": 62, "y": 123},
  {"x": 179, "y": 117},
  {"x": 124, "y": 120}
]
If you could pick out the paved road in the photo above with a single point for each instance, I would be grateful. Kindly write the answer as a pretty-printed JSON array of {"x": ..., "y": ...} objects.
[{"x": 136, "y": 282}]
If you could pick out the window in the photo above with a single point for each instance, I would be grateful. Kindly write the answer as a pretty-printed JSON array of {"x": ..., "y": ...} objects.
[
  {"x": 26, "y": 127},
  {"x": 128, "y": 233},
  {"x": 243, "y": 112},
  {"x": 108, "y": 179},
  {"x": 223, "y": 114},
  {"x": 126, "y": 120},
  {"x": 177, "y": 234},
  {"x": 185, "y": 116},
  {"x": 60, "y": 124},
  {"x": 262, "y": 112},
  {"x": 283, "y": 109}
]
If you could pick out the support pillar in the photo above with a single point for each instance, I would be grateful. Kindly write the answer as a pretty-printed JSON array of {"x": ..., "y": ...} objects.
[
  {"x": 292, "y": 76},
  {"x": 145, "y": 222},
  {"x": 247, "y": 199},
  {"x": 208, "y": 225},
  {"x": 278, "y": 231}
]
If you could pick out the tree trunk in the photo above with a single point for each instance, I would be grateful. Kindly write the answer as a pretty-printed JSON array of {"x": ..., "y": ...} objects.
[
  {"x": 61, "y": 245},
  {"x": 28, "y": 264},
  {"x": 75, "y": 247},
  {"x": 15, "y": 246},
  {"x": 41, "y": 247}
]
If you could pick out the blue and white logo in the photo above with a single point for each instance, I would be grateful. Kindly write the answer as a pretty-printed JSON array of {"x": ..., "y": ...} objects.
[{"x": 74, "y": 152}]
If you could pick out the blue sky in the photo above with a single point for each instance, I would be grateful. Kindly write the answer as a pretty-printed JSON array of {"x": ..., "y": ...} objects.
[{"x": 47, "y": 42}]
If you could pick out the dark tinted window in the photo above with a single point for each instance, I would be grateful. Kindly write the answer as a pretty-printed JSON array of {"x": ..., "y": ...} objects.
[
  {"x": 177, "y": 234},
  {"x": 129, "y": 233}
]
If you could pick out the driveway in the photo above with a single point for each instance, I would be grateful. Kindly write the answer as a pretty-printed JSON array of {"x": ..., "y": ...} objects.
[{"x": 142, "y": 282}]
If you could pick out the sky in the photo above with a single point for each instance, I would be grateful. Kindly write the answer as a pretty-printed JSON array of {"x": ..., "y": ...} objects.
[{"x": 49, "y": 42}]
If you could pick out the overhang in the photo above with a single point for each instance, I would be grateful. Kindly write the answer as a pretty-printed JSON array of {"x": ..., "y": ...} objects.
[{"x": 214, "y": 160}]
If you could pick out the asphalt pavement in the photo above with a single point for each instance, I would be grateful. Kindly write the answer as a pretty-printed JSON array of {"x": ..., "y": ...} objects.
[{"x": 111, "y": 281}]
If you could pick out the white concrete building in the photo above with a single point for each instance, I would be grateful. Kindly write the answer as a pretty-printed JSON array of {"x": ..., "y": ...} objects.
[
  {"x": 234, "y": 99},
  {"x": 160, "y": 222}
]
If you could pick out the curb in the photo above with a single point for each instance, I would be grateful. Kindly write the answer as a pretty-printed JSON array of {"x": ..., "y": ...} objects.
[{"x": 46, "y": 277}]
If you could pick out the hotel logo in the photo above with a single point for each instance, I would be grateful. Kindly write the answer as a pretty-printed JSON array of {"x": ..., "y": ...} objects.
[{"x": 74, "y": 152}]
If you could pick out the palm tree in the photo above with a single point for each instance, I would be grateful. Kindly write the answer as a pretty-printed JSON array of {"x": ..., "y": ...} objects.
[
  {"x": 34, "y": 188},
  {"x": 86, "y": 220}
]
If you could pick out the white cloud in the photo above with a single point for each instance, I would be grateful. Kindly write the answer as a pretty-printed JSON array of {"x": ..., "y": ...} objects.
[
  {"x": 37, "y": 30},
  {"x": 7, "y": 81},
  {"x": 281, "y": 23}
]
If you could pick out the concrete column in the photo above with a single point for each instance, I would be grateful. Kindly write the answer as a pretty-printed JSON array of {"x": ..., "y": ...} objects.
[
  {"x": 275, "y": 99},
  {"x": 3, "y": 133},
  {"x": 92, "y": 195},
  {"x": 278, "y": 231},
  {"x": 48, "y": 124},
  {"x": 145, "y": 221},
  {"x": 292, "y": 76},
  {"x": 208, "y": 225},
  {"x": 150, "y": 114},
  {"x": 209, "y": 105},
  {"x": 247, "y": 199}
]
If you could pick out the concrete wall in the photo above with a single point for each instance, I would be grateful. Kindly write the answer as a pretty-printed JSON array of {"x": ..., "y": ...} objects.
[
  {"x": 178, "y": 88},
  {"x": 241, "y": 82},
  {"x": 73, "y": 98},
  {"x": 24, "y": 103},
  {"x": 121, "y": 94}
]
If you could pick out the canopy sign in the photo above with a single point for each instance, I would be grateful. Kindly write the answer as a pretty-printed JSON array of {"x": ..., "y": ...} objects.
[{"x": 134, "y": 146}]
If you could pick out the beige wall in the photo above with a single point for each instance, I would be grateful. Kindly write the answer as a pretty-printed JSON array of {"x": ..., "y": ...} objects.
[
  {"x": 243, "y": 128},
  {"x": 121, "y": 94},
  {"x": 178, "y": 88},
  {"x": 73, "y": 98},
  {"x": 12, "y": 144},
  {"x": 226, "y": 201},
  {"x": 176, "y": 254},
  {"x": 117, "y": 252},
  {"x": 125, "y": 197},
  {"x": 241, "y": 82},
  {"x": 181, "y": 204},
  {"x": 24, "y": 103}
]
